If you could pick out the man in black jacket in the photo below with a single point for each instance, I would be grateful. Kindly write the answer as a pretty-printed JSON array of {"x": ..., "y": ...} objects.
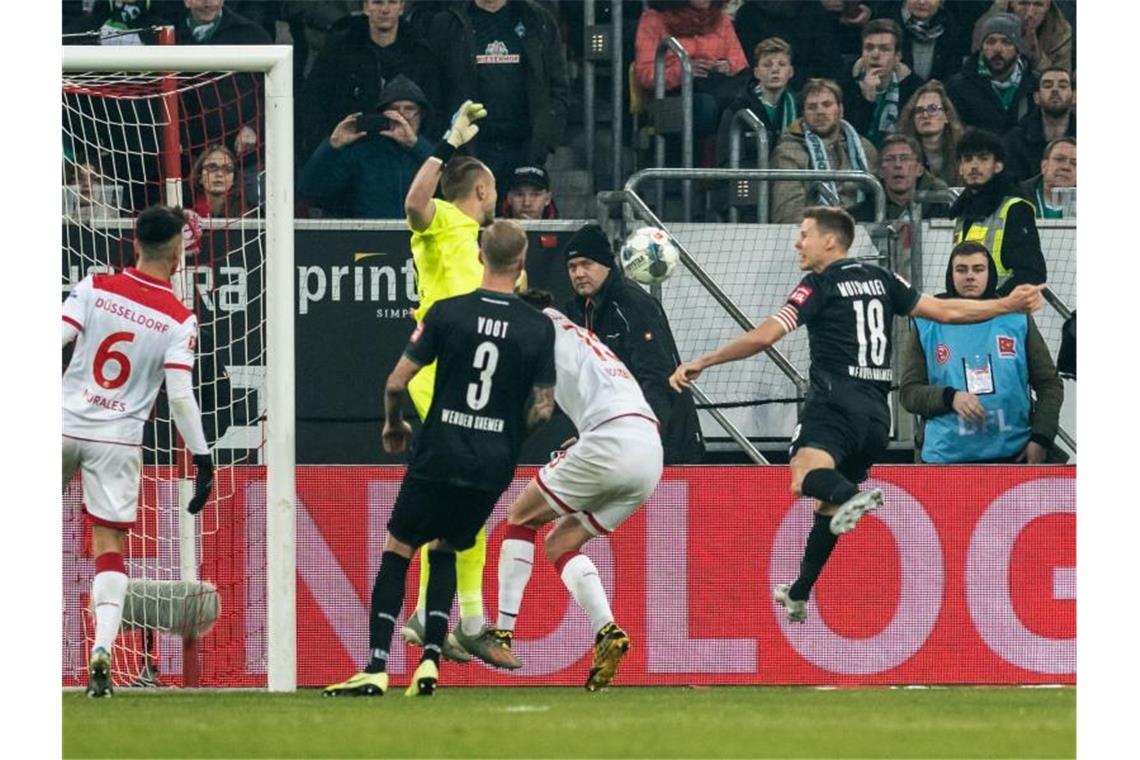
[
  {"x": 1054, "y": 118},
  {"x": 994, "y": 89},
  {"x": 507, "y": 55},
  {"x": 990, "y": 212},
  {"x": 633, "y": 325},
  {"x": 364, "y": 54}
]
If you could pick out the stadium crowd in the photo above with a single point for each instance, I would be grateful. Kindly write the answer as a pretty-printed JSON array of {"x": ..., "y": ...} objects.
[{"x": 816, "y": 74}]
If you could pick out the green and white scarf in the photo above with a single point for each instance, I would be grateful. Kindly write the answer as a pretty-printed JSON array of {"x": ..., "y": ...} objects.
[
  {"x": 1004, "y": 90},
  {"x": 773, "y": 109},
  {"x": 886, "y": 110},
  {"x": 203, "y": 32},
  {"x": 827, "y": 190}
]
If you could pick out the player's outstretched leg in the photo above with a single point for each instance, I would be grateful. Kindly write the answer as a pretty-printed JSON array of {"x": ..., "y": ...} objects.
[
  {"x": 387, "y": 598},
  {"x": 829, "y": 487},
  {"x": 849, "y": 512}
]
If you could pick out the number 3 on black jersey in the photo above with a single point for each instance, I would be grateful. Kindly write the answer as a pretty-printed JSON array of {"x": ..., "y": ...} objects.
[
  {"x": 871, "y": 330},
  {"x": 486, "y": 360}
]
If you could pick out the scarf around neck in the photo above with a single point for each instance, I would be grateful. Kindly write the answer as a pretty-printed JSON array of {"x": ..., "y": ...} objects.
[
  {"x": 886, "y": 115},
  {"x": 784, "y": 109},
  {"x": 203, "y": 32},
  {"x": 923, "y": 31},
  {"x": 1004, "y": 90},
  {"x": 827, "y": 190}
]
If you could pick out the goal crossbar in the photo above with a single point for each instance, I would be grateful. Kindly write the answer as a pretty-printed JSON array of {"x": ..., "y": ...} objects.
[{"x": 276, "y": 63}]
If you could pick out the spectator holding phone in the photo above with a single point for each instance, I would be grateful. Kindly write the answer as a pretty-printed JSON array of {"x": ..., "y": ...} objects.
[{"x": 364, "y": 168}]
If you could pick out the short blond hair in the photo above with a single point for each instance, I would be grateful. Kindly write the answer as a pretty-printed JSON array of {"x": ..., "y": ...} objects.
[
  {"x": 502, "y": 244},
  {"x": 771, "y": 46}
]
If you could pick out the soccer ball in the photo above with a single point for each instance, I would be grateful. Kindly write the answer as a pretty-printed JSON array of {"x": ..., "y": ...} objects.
[{"x": 648, "y": 255}]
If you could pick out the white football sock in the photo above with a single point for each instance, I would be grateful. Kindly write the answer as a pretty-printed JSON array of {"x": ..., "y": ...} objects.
[
  {"x": 585, "y": 584},
  {"x": 516, "y": 561},
  {"x": 108, "y": 591},
  {"x": 471, "y": 624}
]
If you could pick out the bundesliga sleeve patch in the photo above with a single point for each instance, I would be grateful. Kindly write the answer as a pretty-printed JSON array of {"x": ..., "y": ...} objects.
[
  {"x": 800, "y": 295},
  {"x": 416, "y": 333}
]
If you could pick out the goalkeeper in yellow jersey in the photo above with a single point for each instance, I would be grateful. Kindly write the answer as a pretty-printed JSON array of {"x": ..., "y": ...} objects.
[{"x": 445, "y": 249}]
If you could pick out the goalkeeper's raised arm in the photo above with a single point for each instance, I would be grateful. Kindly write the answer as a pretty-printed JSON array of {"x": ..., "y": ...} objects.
[{"x": 419, "y": 204}]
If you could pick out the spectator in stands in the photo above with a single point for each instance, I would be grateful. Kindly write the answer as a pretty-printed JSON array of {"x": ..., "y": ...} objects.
[
  {"x": 823, "y": 34},
  {"x": 227, "y": 111},
  {"x": 767, "y": 95},
  {"x": 933, "y": 44},
  {"x": 528, "y": 195},
  {"x": 1055, "y": 117},
  {"x": 989, "y": 211},
  {"x": 821, "y": 140},
  {"x": 507, "y": 55},
  {"x": 705, "y": 32},
  {"x": 1058, "y": 169},
  {"x": 359, "y": 172},
  {"x": 1047, "y": 37},
  {"x": 633, "y": 325},
  {"x": 112, "y": 23},
  {"x": 902, "y": 174},
  {"x": 995, "y": 86},
  {"x": 931, "y": 119},
  {"x": 311, "y": 25},
  {"x": 207, "y": 22},
  {"x": 972, "y": 383},
  {"x": 213, "y": 189},
  {"x": 364, "y": 54},
  {"x": 879, "y": 83}
]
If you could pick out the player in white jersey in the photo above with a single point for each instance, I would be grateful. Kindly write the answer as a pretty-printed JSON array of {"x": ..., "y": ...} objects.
[
  {"x": 131, "y": 332},
  {"x": 593, "y": 484}
]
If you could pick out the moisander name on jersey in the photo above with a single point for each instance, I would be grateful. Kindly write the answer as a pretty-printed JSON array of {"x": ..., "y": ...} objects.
[
  {"x": 471, "y": 421},
  {"x": 857, "y": 288}
]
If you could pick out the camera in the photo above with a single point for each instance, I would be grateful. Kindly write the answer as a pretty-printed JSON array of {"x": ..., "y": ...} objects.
[{"x": 373, "y": 124}]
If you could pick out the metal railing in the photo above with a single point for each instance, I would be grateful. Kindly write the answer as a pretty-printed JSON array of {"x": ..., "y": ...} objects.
[
  {"x": 588, "y": 76},
  {"x": 741, "y": 119},
  {"x": 659, "y": 120}
]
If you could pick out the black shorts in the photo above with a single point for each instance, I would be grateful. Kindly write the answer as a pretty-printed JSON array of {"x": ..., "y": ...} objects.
[
  {"x": 855, "y": 431},
  {"x": 426, "y": 510}
]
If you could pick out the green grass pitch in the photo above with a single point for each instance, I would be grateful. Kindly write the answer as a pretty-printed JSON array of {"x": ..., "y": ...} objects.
[{"x": 629, "y": 722}]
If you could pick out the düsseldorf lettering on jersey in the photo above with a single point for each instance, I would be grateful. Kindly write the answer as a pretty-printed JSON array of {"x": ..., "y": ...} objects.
[{"x": 131, "y": 329}]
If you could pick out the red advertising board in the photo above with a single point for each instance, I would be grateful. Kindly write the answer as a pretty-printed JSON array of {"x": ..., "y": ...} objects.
[{"x": 965, "y": 575}]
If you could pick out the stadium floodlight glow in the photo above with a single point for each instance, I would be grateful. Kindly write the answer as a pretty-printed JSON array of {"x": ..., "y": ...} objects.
[{"x": 275, "y": 62}]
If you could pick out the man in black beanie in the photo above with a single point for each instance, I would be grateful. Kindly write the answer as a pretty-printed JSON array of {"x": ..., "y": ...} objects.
[{"x": 633, "y": 325}]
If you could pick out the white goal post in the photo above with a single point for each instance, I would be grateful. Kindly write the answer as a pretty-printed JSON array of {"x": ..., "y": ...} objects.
[{"x": 276, "y": 63}]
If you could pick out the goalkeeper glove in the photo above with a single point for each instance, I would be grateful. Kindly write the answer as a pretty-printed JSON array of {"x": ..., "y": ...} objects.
[
  {"x": 463, "y": 127},
  {"x": 203, "y": 481}
]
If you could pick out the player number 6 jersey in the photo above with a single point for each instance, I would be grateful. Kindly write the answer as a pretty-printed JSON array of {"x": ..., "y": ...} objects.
[{"x": 131, "y": 328}]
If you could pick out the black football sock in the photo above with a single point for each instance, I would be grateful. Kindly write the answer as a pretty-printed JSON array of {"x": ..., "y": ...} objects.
[
  {"x": 437, "y": 605},
  {"x": 829, "y": 486},
  {"x": 387, "y": 599},
  {"x": 820, "y": 542}
]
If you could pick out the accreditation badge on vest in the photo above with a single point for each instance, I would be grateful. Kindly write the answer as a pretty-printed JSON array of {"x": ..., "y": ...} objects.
[{"x": 979, "y": 374}]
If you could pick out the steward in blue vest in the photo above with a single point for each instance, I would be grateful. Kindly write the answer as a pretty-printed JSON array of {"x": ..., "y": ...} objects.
[{"x": 971, "y": 382}]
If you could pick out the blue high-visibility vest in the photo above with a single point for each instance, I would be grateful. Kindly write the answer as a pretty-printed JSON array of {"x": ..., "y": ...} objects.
[{"x": 994, "y": 352}]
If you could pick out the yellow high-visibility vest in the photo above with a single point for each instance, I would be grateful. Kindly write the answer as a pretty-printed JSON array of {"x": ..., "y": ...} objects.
[{"x": 990, "y": 232}]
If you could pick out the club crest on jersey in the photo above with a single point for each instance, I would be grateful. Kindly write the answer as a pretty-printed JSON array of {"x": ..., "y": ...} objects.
[
  {"x": 1006, "y": 346},
  {"x": 942, "y": 354},
  {"x": 799, "y": 295},
  {"x": 648, "y": 336}
]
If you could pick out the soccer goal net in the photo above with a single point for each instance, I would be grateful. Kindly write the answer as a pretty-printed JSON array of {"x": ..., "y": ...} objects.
[{"x": 211, "y": 599}]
